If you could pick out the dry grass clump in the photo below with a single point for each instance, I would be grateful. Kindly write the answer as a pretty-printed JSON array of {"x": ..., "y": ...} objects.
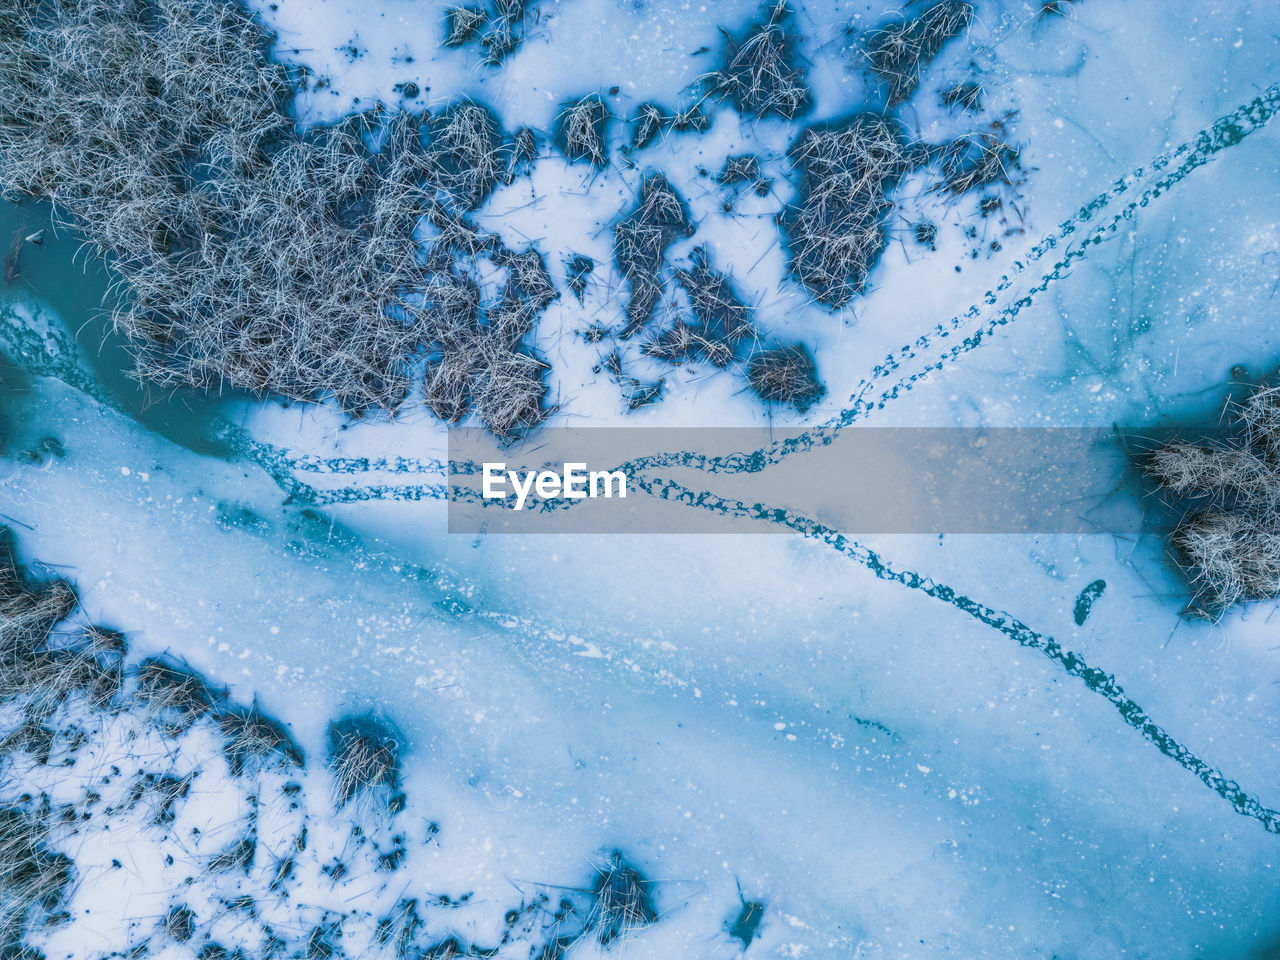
[
  {"x": 527, "y": 292},
  {"x": 251, "y": 258},
  {"x": 965, "y": 94},
  {"x": 1230, "y": 558},
  {"x": 252, "y": 737},
  {"x": 364, "y": 753},
  {"x": 247, "y": 256},
  {"x": 509, "y": 389},
  {"x": 28, "y": 611},
  {"x": 174, "y": 693},
  {"x": 301, "y": 278},
  {"x": 577, "y": 269},
  {"x": 503, "y": 386},
  {"x": 506, "y": 30},
  {"x": 102, "y": 98},
  {"x": 238, "y": 856},
  {"x": 744, "y": 168},
  {"x": 1226, "y": 474},
  {"x": 691, "y": 118},
  {"x": 523, "y": 152},
  {"x": 457, "y": 238},
  {"x": 1259, "y": 418},
  {"x": 179, "y": 923},
  {"x": 623, "y": 900},
  {"x": 27, "y": 615},
  {"x": 759, "y": 73},
  {"x": 464, "y": 155},
  {"x": 785, "y": 374},
  {"x": 649, "y": 122},
  {"x": 481, "y": 365},
  {"x": 1227, "y": 543},
  {"x": 977, "y": 160},
  {"x": 31, "y": 737},
  {"x": 461, "y": 24},
  {"x": 33, "y": 879},
  {"x": 448, "y": 386},
  {"x": 500, "y": 31},
  {"x": 582, "y": 130},
  {"x": 899, "y": 53},
  {"x": 836, "y": 228},
  {"x": 681, "y": 342},
  {"x": 399, "y": 928},
  {"x": 37, "y": 676},
  {"x": 55, "y": 674},
  {"x": 640, "y": 244},
  {"x": 722, "y": 320}
]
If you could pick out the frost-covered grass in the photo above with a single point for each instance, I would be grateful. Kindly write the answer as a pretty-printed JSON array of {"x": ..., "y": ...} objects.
[
  {"x": 250, "y": 256},
  {"x": 1227, "y": 541},
  {"x": 154, "y": 816},
  {"x": 760, "y": 72},
  {"x": 962, "y": 791},
  {"x": 900, "y": 52},
  {"x": 837, "y": 228},
  {"x": 253, "y": 256}
]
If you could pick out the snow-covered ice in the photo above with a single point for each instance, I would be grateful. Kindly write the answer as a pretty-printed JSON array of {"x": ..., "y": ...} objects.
[{"x": 881, "y": 742}]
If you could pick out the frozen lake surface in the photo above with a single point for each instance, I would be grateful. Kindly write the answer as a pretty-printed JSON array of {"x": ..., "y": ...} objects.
[{"x": 807, "y": 746}]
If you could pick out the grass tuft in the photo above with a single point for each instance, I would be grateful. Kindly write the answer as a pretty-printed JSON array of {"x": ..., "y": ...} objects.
[
  {"x": 1227, "y": 541},
  {"x": 760, "y": 73},
  {"x": 251, "y": 737},
  {"x": 462, "y": 24},
  {"x": 464, "y": 156},
  {"x": 836, "y": 228},
  {"x": 900, "y": 52},
  {"x": 582, "y": 130},
  {"x": 179, "y": 924},
  {"x": 173, "y": 692},
  {"x": 978, "y": 160},
  {"x": 364, "y": 754},
  {"x": 33, "y": 879},
  {"x": 649, "y": 122},
  {"x": 744, "y": 168},
  {"x": 723, "y": 320},
  {"x": 785, "y": 375},
  {"x": 239, "y": 856},
  {"x": 399, "y": 928},
  {"x": 640, "y": 244},
  {"x": 521, "y": 156},
  {"x": 966, "y": 94},
  {"x": 577, "y": 269},
  {"x": 506, "y": 30},
  {"x": 623, "y": 900}
]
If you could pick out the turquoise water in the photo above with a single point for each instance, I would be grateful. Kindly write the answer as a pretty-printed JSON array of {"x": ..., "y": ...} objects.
[{"x": 73, "y": 288}]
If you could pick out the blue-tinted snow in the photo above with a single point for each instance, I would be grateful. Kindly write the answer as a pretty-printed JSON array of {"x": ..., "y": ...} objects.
[{"x": 892, "y": 777}]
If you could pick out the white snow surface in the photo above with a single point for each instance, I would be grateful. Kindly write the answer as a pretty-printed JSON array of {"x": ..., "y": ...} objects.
[{"x": 890, "y": 776}]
